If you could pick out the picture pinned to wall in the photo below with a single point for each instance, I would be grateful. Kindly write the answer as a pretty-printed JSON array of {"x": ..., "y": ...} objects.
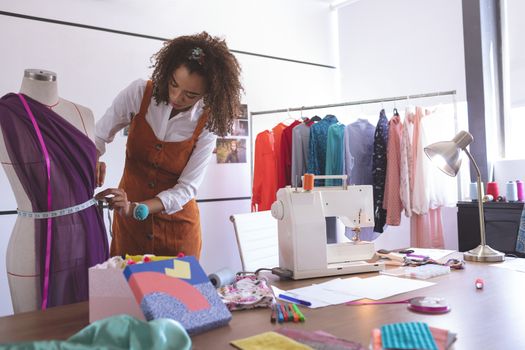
[
  {"x": 230, "y": 150},
  {"x": 244, "y": 112},
  {"x": 240, "y": 127}
]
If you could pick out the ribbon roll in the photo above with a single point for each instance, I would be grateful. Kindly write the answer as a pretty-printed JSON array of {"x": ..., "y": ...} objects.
[{"x": 222, "y": 277}]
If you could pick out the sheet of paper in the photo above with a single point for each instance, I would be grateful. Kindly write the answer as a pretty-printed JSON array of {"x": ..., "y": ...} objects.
[
  {"x": 516, "y": 264},
  {"x": 435, "y": 254},
  {"x": 377, "y": 287},
  {"x": 317, "y": 295}
]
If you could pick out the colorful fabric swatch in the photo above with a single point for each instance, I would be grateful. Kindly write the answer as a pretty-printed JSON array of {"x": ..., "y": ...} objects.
[
  {"x": 268, "y": 340},
  {"x": 177, "y": 289},
  {"x": 408, "y": 335}
]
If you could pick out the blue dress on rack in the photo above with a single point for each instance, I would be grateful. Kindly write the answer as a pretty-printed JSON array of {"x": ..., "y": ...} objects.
[{"x": 317, "y": 147}]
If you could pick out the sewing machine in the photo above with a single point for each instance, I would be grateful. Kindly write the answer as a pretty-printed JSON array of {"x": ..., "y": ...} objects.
[{"x": 303, "y": 246}]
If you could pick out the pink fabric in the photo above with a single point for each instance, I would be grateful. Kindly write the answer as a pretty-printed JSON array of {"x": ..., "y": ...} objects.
[
  {"x": 392, "y": 198},
  {"x": 426, "y": 230},
  {"x": 49, "y": 201}
]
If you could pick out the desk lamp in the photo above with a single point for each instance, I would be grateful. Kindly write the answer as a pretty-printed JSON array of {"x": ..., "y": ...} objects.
[{"x": 446, "y": 156}]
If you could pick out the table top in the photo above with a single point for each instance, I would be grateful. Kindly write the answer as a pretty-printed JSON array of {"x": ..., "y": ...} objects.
[{"x": 490, "y": 318}]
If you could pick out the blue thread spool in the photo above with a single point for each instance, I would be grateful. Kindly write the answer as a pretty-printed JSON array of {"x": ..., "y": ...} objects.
[
  {"x": 474, "y": 191},
  {"x": 512, "y": 191}
]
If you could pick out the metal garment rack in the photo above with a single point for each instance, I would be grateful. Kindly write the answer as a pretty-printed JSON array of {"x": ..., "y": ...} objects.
[
  {"x": 342, "y": 104},
  {"x": 353, "y": 103}
]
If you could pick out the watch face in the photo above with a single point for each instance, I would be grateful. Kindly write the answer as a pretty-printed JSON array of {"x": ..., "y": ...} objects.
[{"x": 430, "y": 305}]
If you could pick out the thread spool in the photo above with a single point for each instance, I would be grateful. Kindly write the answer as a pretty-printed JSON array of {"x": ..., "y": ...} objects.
[
  {"x": 492, "y": 189},
  {"x": 474, "y": 191},
  {"x": 222, "y": 277},
  {"x": 308, "y": 182},
  {"x": 512, "y": 191},
  {"x": 519, "y": 189}
]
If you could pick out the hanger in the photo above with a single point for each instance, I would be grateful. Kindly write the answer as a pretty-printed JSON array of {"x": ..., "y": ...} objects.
[
  {"x": 396, "y": 113},
  {"x": 288, "y": 118}
]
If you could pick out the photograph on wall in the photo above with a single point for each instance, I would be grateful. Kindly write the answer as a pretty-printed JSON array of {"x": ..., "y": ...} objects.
[
  {"x": 240, "y": 127},
  {"x": 231, "y": 151},
  {"x": 244, "y": 112}
]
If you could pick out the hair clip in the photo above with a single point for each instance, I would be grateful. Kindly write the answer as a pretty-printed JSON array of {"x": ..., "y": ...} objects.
[{"x": 197, "y": 54}]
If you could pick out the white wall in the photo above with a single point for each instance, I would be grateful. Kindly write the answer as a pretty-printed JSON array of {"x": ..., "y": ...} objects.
[
  {"x": 93, "y": 66},
  {"x": 403, "y": 47}
]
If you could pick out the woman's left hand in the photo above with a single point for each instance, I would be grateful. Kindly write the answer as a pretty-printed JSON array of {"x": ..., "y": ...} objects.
[{"x": 117, "y": 199}]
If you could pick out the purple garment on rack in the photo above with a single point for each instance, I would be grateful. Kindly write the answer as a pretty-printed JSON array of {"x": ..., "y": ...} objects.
[{"x": 79, "y": 240}]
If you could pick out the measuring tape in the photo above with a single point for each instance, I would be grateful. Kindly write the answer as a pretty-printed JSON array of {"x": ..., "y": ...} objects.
[{"x": 55, "y": 213}]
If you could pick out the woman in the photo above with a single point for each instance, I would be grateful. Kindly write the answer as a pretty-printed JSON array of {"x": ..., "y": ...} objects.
[{"x": 193, "y": 95}]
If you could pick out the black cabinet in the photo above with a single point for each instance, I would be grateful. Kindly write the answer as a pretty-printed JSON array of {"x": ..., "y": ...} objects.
[{"x": 502, "y": 222}]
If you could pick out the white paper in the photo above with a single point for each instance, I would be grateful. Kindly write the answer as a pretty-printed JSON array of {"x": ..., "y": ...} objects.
[
  {"x": 516, "y": 264},
  {"x": 434, "y": 254},
  {"x": 315, "y": 294},
  {"x": 378, "y": 287}
]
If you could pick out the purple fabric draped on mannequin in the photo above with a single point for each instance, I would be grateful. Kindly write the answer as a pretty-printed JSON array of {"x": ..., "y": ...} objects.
[{"x": 79, "y": 240}]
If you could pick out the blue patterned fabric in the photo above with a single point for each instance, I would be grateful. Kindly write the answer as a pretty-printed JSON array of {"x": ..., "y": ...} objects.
[
  {"x": 335, "y": 153},
  {"x": 317, "y": 147},
  {"x": 408, "y": 335},
  {"x": 520, "y": 243},
  {"x": 379, "y": 170}
]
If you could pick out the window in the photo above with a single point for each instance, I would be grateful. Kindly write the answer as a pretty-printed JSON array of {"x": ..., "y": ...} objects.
[{"x": 513, "y": 27}]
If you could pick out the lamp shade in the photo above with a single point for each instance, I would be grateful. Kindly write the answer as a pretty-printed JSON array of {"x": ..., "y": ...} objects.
[{"x": 446, "y": 154}]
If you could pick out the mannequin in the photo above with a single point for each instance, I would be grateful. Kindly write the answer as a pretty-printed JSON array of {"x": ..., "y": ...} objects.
[{"x": 22, "y": 266}]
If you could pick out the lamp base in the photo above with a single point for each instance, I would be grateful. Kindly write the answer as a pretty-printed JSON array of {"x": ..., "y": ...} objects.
[{"x": 483, "y": 253}]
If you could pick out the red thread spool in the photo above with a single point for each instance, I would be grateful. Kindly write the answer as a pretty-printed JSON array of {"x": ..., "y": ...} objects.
[
  {"x": 492, "y": 188},
  {"x": 308, "y": 182}
]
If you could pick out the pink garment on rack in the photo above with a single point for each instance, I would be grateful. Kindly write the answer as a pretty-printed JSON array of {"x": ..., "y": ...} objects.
[
  {"x": 392, "y": 198},
  {"x": 426, "y": 230}
]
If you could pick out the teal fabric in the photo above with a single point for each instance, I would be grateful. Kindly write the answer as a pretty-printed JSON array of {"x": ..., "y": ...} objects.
[
  {"x": 119, "y": 333},
  {"x": 317, "y": 147},
  {"x": 335, "y": 153},
  {"x": 409, "y": 335}
]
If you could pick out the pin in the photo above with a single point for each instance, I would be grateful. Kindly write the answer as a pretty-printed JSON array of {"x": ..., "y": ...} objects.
[{"x": 479, "y": 283}]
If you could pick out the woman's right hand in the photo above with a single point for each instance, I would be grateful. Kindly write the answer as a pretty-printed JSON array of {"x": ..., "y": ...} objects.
[{"x": 100, "y": 173}]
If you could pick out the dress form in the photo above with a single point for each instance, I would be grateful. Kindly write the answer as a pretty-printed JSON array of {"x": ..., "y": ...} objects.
[{"x": 22, "y": 270}]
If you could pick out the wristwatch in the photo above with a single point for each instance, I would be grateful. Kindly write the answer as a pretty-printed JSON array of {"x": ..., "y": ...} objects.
[{"x": 140, "y": 211}]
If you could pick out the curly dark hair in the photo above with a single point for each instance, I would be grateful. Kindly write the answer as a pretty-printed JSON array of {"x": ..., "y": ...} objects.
[{"x": 215, "y": 63}]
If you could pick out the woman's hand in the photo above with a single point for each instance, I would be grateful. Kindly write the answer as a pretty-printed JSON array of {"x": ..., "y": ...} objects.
[
  {"x": 100, "y": 173},
  {"x": 117, "y": 199}
]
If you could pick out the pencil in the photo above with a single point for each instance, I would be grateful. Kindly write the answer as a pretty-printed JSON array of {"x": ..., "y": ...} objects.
[
  {"x": 299, "y": 313},
  {"x": 295, "y": 315},
  {"x": 280, "y": 316},
  {"x": 273, "y": 316},
  {"x": 283, "y": 312}
]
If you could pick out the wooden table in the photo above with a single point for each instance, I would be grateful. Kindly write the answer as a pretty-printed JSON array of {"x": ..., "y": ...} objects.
[{"x": 491, "y": 318}]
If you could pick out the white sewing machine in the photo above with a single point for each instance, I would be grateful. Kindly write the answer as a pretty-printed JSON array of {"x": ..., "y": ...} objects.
[{"x": 303, "y": 247}]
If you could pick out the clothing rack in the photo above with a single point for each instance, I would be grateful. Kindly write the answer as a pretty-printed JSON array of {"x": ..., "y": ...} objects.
[
  {"x": 353, "y": 103},
  {"x": 342, "y": 104}
]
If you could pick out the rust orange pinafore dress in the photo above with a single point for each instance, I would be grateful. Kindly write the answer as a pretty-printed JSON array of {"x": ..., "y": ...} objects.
[{"x": 151, "y": 167}]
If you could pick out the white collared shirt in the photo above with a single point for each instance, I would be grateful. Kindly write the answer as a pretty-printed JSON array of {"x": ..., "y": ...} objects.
[{"x": 178, "y": 128}]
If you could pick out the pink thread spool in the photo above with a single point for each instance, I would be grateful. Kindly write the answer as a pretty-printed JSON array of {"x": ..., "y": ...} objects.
[
  {"x": 521, "y": 195},
  {"x": 492, "y": 189}
]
